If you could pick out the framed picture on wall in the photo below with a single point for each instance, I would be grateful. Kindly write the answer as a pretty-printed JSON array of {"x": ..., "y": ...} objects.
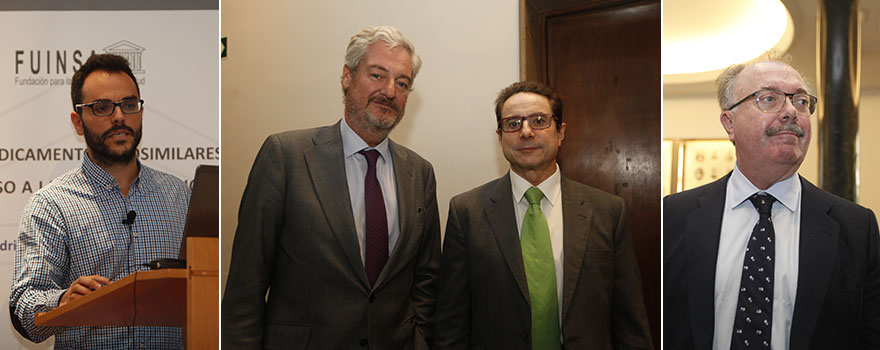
[
  {"x": 668, "y": 155},
  {"x": 691, "y": 163},
  {"x": 704, "y": 161}
]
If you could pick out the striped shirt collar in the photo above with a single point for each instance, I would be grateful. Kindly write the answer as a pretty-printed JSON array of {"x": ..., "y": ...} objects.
[{"x": 103, "y": 179}]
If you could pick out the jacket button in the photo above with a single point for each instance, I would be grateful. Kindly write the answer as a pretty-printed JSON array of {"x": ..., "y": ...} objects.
[
  {"x": 364, "y": 342},
  {"x": 372, "y": 297}
]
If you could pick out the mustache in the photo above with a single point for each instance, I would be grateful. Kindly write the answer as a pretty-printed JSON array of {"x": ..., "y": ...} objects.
[
  {"x": 787, "y": 127},
  {"x": 115, "y": 128},
  {"x": 385, "y": 101}
]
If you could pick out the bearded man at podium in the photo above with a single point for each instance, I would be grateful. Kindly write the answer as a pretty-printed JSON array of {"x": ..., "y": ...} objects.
[{"x": 100, "y": 221}]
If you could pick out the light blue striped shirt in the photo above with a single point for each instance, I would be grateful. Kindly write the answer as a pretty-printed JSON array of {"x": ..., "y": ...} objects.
[{"x": 73, "y": 227}]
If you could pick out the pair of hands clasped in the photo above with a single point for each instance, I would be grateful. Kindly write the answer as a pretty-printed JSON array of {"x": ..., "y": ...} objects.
[{"x": 82, "y": 287}]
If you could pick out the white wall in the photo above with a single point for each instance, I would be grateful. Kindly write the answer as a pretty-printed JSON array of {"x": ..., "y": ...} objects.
[{"x": 284, "y": 63}]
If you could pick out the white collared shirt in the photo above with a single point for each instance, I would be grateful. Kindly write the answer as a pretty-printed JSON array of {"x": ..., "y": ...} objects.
[
  {"x": 739, "y": 219},
  {"x": 551, "y": 206},
  {"x": 356, "y": 172}
]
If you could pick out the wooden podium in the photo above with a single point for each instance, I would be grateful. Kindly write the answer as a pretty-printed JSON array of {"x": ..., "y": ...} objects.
[{"x": 188, "y": 298}]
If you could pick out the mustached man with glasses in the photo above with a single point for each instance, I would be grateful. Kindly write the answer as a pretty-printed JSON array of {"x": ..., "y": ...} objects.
[
  {"x": 761, "y": 258},
  {"x": 100, "y": 221},
  {"x": 533, "y": 260}
]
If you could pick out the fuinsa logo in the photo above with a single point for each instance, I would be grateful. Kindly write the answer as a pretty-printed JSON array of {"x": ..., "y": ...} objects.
[
  {"x": 48, "y": 61},
  {"x": 131, "y": 51},
  {"x": 56, "y": 67}
]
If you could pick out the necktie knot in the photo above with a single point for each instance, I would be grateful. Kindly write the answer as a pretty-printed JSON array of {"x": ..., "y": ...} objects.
[
  {"x": 762, "y": 202},
  {"x": 371, "y": 155},
  {"x": 534, "y": 195}
]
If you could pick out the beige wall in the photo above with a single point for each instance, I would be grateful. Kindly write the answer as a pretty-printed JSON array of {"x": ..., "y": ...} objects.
[
  {"x": 869, "y": 143},
  {"x": 697, "y": 116},
  {"x": 283, "y": 67}
]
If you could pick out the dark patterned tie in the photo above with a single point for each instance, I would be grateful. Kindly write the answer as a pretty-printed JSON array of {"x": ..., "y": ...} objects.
[
  {"x": 376, "y": 224},
  {"x": 754, "y": 310}
]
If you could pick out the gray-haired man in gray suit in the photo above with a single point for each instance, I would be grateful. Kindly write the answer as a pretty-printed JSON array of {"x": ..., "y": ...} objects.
[{"x": 339, "y": 224}]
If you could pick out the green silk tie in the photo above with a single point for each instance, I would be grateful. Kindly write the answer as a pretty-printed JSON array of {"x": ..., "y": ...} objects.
[{"x": 540, "y": 274}]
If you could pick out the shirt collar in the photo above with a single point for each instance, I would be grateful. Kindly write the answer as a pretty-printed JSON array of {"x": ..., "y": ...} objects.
[
  {"x": 786, "y": 191},
  {"x": 352, "y": 143},
  {"x": 550, "y": 186},
  {"x": 102, "y": 178}
]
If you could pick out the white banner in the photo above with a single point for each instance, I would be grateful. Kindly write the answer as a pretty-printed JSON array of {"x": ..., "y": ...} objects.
[{"x": 174, "y": 55}]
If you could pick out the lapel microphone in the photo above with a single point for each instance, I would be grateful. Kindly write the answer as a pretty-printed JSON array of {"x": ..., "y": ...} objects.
[
  {"x": 130, "y": 218},
  {"x": 128, "y": 221}
]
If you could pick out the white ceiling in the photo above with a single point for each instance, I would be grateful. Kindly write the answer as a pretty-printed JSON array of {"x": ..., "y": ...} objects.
[{"x": 803, "y": 48}]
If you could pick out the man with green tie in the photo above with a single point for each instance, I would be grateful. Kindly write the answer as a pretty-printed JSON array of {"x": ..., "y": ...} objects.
[{"x": 533, "y": 260}]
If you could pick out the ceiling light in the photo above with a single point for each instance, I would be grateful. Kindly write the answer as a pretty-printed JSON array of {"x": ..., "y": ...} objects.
[{"x": 703, "y": 37}]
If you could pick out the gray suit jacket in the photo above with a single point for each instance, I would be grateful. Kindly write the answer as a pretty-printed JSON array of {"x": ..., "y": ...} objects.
[
  {"x": 838, "y": 289},
  {"x": 296, "y": 239},
  {"x": 484, "y": 298}
]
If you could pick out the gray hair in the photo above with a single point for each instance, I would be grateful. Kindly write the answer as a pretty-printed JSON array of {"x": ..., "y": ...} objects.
[
  {"x": 726, "y": 81},
  {"x": 359, "y": 43}
]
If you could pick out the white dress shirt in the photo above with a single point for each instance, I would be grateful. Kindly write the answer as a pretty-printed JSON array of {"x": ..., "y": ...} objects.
[
  {"x": 739, "y": 219},
  {"x": 356, "y": 172},
  {"x": 551, "y": 205}
]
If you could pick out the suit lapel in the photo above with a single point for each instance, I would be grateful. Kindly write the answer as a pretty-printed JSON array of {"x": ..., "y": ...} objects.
[
  {"x": 576, "y": 228},
  {"x": 326, "y": 166},
  {"x": 406, "y": 203},
  {"x": 816, "y": 256},
  {"x": 499, "y": 212},
  {"x": 702, "y": 233}
]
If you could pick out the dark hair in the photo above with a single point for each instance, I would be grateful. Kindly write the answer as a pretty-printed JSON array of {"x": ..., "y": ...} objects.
[
  {"x": 535, "y": 88},
  {"x": 99, "y": 62}
]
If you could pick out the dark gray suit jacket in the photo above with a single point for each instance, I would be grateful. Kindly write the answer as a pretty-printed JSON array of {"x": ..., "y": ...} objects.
[
  {"x": 838, "y": 292},
  {"x": 484, "y": 298},
  {"x": 296, "y": 239}
]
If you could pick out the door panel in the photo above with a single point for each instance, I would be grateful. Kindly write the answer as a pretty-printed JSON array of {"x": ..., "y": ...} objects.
[{"x": 603, "y": 58}]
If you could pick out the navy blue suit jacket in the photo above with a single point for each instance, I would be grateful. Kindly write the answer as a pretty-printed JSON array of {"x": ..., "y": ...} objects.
[{"x": 838, "y": 293}]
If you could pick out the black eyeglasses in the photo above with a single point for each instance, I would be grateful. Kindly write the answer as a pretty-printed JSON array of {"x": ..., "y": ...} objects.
[
  {"x": 771, "y": 101},
  {"x": 537, "y": 121},
  {"x": 105, "y": 107}
]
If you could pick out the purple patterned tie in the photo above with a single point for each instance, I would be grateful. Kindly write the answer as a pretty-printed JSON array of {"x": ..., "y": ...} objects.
[{"x": 376, "y": 227}]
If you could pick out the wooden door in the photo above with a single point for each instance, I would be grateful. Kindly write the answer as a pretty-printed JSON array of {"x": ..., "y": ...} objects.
[{"x": 603, "y": 57}]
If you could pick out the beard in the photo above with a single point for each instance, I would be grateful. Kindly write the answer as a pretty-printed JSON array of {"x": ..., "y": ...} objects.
[
  {"x": 366, "y": 118},
  {"x": 102, "y": 154}
]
